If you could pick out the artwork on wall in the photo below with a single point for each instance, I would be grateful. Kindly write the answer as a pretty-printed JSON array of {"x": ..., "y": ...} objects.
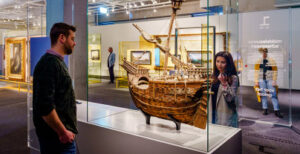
[
  {"x": 194, "y": 57},
  {"x": 142, "y": 57},
  {"x": 15, "y": 51},
  {"x": 95, "y": 54}
]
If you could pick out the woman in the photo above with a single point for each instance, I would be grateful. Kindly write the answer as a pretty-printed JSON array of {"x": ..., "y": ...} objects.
[{"x": 223, "y": 104}]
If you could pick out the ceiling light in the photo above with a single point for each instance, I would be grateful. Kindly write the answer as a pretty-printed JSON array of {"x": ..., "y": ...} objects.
[
  {"x": 93, "y": 1},
  {"x": 154, "y": 2},
  {"x": 127, "y": 12},
  {"x": 103, "y": 10},
  {"x": 107, "y": 14},
  {"x": 113, "y": 9},
  {"x": 135, "y": 5},
  {"x": 142, "y": 4},
  {"x": 154, "y": 10},
  {"x": 130, "y": 6}
]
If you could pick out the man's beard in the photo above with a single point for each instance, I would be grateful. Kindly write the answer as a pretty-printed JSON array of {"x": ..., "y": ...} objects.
[{"x": 67, "y": 49}]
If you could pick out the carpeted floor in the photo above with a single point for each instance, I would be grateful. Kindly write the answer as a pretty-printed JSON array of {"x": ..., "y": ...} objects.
[
  {"x": 257, "y": 137},
  {"x": 13, "y": 122}
]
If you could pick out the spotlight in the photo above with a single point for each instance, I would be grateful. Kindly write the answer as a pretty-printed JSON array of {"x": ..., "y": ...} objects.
[{"x": 103, "y": 10}]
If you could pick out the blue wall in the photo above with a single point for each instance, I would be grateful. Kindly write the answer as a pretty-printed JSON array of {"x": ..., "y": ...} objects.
[{"x": 38, "y": 47}]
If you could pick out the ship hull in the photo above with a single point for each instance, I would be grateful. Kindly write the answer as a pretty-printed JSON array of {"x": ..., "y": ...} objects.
[{"x": 172, "y": 100}]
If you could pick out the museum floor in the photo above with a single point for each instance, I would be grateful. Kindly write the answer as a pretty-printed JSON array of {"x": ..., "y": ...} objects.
[{"x": 258, "y": 137}]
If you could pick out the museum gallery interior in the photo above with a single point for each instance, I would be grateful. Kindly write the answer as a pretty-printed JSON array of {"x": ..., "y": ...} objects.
[{"x": 186, "y": 77}]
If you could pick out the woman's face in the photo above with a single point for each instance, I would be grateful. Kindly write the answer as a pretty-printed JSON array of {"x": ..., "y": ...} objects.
[{"x": 221, "y": 64}]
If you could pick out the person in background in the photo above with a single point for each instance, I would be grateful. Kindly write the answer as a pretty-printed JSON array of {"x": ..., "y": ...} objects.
[
  {"x": 223, "y": 101},
  {"x": 265, "y": 78},
  {"x": 110, "y": 64},
  {"x": 54, "y": 105}
]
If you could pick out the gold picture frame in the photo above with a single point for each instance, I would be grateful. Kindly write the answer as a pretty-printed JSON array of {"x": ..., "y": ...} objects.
[{"x": 15, "y": 57}]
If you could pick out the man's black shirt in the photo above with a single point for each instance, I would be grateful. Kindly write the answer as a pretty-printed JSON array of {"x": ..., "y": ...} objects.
[{"x": 52, "y": 89}]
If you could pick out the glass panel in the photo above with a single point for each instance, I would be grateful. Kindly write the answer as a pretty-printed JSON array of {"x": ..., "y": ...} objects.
[
  {"x": 223, "y": 102},
  {"x": 144, "y": 80},
  {"x": 20, "y": 21},
  {"x": 35, "y": 32},
  {"x": 265, "y": 68}
]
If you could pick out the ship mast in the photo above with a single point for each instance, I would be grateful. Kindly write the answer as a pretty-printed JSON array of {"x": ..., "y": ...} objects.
[{"x": 175, "y": 6}]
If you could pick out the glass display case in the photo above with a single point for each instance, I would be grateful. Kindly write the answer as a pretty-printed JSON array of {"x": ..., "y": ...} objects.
[
  {"x": 21, "y": 21},
  {"x": 168, "y": 85},
  {"x": 160, "y": 64}
]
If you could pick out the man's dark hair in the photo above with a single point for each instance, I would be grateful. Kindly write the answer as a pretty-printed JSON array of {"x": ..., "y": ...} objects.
[{"x": 60, "y": 28}]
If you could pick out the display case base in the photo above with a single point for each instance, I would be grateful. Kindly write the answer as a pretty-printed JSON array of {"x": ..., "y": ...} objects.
[{"x": 127, "y": 133}]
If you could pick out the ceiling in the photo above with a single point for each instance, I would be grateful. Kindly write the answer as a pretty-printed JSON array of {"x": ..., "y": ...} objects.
[
  {"x": 18, "y": 14},
  {"x": 13, "y": 13},
  {"x": 124, "y": 5}
]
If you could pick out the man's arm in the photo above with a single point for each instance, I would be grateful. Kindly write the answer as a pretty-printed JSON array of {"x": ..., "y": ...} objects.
[
  {"x": 52, "y": 119},
  {"x": 113, "y": 58}
]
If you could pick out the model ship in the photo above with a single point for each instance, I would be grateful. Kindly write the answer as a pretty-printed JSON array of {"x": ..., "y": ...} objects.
[{"x": 180, "y": 97}]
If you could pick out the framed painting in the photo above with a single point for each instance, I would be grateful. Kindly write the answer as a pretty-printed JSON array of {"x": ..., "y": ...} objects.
[
  {"x": 194, "y": 57},
  {"x": 95, "y": 54},
  {"x": 15, "y": 56},
  {"x": 141, "y": 57}
]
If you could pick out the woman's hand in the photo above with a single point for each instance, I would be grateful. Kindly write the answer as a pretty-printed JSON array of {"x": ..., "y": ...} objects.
[{"x": 223, "y": 79}]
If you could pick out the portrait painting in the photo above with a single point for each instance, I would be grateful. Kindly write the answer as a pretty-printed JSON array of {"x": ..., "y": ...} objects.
[
  {"x": 141, "y": 57},
  {"x": 15, "y": 53},
  {"x": 15, "y": 58}
]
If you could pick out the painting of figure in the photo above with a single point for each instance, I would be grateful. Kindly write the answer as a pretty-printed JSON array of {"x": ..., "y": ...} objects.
[
  {"x": 15, "y": 58},
  {"x": 141, "y": 57}
]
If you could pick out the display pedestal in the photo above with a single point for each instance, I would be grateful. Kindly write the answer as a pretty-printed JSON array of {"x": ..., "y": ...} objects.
[{"x": 127, "y": 133}]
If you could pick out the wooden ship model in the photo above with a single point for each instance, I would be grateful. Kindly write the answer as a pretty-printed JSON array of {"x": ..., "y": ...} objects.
[{"x": 181, "y": 97}]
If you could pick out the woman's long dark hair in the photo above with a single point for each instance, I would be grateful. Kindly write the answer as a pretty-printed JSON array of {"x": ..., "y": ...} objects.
[{"x": 230, "y": 67}]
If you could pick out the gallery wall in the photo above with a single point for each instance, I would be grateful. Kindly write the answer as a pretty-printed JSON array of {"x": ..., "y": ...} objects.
[
  {"x": 111, "y": 35},
  {"x": 280, "y": 32}
]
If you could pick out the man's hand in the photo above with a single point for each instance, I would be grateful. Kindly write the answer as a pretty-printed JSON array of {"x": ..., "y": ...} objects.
[{"x": 66, "y": 137}]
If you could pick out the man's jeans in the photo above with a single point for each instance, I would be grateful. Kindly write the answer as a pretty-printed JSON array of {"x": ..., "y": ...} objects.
[
  {"x": 54, "y": 146},
  {"x": 268, "y": 89}
]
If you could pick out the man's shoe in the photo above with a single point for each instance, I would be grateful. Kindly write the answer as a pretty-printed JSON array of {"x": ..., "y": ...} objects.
[
  {"x": 265, "y": 112},
  {"x": 277, "y": 114}
]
